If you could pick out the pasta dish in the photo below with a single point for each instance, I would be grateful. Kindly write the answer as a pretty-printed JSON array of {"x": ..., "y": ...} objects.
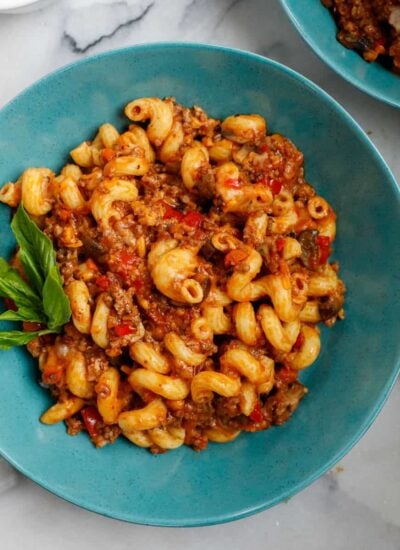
[
  {"x": 370, "y": 27},
  {"x": 172, "y": 278}
]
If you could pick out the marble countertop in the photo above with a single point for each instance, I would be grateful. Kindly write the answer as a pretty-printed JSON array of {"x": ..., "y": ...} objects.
[{"x": 357, "y": 504}]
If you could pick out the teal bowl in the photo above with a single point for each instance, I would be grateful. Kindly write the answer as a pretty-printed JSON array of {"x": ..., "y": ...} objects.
[
  {"x": 359, "y": 360},
  {"x": 318, "y": 28}
]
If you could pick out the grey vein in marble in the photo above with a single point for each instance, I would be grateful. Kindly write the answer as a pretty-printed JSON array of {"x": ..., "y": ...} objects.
[
  {"x": 231, "y": 7},
  {"x": 199, "y": 11},
  {"x": 82, "y": 34}
]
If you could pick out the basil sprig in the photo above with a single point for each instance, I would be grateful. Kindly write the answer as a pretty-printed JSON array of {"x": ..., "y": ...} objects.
[{"x": 43, "y": 300}]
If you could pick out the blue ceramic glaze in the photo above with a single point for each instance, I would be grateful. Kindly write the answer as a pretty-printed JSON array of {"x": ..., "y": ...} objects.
[
  {"x": 318, "y": 28},
  {"x": 359, "y": 360}
]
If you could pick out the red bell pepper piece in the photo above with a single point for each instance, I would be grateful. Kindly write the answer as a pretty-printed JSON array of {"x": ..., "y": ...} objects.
[
  {"x": 172, "y": 213},
  {"x": 193, "y": 218},
  {"x": 324, "y": 248},
  {"x": 103, "y": 282},
  {"x": 124, "y": 329},
  {"x": 256, "y": 415},
  {"x": 274, "y": 184},
  {"x": 92, "y": 419},
  {"x": 280, "y": 245}
]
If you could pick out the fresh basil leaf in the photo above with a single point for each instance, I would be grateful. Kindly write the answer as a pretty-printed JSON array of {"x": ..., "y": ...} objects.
[
  {"x": 46, "y": 302},
  {"x": 55, "y": 302},
  {"x": 38, "y": 253},
  {"x": 12, "y": 338},
  {"x": 23, "y": 314},
  {"x": 13, "y": 286},
  {"x": 31, "y": 270}
]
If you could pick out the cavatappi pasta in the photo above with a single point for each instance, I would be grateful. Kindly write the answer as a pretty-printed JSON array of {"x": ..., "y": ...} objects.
[{"x": 195, "y": 258}]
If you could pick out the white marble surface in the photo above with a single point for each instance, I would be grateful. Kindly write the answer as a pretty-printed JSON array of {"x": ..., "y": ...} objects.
[{"x": 357, "y": 505}]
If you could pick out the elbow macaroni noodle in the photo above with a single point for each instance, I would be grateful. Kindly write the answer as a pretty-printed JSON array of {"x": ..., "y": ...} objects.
[{"x": 196, "y": 261}]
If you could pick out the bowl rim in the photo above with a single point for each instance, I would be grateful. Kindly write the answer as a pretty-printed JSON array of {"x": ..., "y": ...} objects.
[
  {"x": 10, "y": 5},
  {"x": 292, "y": 491},
  {"x": 337, "y": 67}
]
